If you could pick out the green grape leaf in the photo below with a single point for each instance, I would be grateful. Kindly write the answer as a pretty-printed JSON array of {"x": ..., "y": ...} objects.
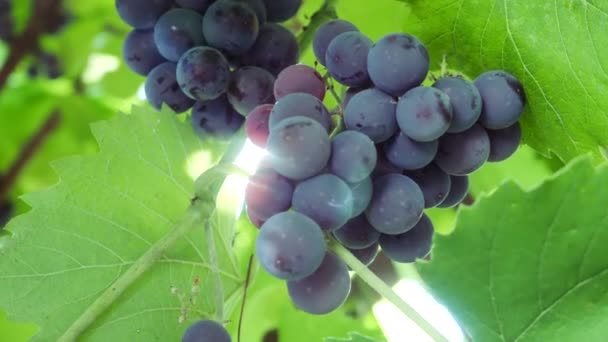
[
  {"x": 353, "y": 337},
  {"x": 529, "y": 265},
  {"x": 107, "y": 211},
  {"x": 556, "y": 48}
]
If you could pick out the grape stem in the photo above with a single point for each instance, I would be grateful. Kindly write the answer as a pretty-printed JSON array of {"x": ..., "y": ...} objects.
[
  {"x": 218, "y": 290},
  {"x": 385, "y": 291},
  {"x": 193, "y": 218}
]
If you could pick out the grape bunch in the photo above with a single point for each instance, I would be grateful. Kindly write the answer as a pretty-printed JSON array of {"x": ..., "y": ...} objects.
[
  {"x": 217, "y": 58},
  {"x": 404, "y": 147}
]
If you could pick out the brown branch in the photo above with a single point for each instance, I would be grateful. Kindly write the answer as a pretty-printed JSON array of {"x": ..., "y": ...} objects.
[
  {"x": 27, "y": 152},
  {"x": 22, "y": 45}
]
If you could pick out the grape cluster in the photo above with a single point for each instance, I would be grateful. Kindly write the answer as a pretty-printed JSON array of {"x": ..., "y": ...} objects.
[
  {"x": 405, "y": 147},
  {"x": 216, "y": 57}
]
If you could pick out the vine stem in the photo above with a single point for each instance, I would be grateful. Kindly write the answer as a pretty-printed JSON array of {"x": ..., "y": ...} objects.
[
  {"x": 385, "y": 291},
  {"x": 218, "y": 290},
  {"x": 193, "y": 218}
]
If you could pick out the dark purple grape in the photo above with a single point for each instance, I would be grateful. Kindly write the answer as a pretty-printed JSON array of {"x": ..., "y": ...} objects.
[
  {"x": 346, "y": 58},
  {"x": 504, "y": 142},
  {"x": 366, "y": 255},
  {"x": 326, "y": 199},
  {"x": 372, "y": 112},
  {"x": 206, "y": 331},
  {"x": 142, "y": 14},
  {"x": 203, "y": 73},
  {"x": 383, "y": 165},
  {"x": 231, "y": 26},
  {"x": 256, "y": 125},
  {"x": 396, "y": 204},
  {"x": 140, "y": 52},
  {"x": 459, "y": 188},
  {"x": 298, "y": 147},
  {"x": 177, "y": 31},
  {"x": 299, "y": 78},
  {"x": 348, "y": 94},
  {"x": 197, "y": 5},
  {"x": 268, "y": 193},
  {"x": 326, "y": 33},
  {"x": 465, "y": 100},
  {"x": 407, "y": 247},
  {"x": 424, "y": 114},
  {"x": 408, "y": 154},
  {"x": 162, "y": 87},
  {"x": 357, "y": 233},
  {"x": 463, "y": 153},
  {"x": 434, "y": 183},
  {"x": 503, "y": 99},
  {"x": 250, "y": 87},
  {"x": 290, "y": 246},
  {"x": 323, "y": 291},
  {"x": 275, "y": 49},
  {"x": 353, "y": 156},
  {"x": 216, "y": 119},
  {"x": 300, "y": 104},
  {"x": 279, "y": 11},
  {"x": 397, "y": 63},
  {"x": 362, "y": 195}
]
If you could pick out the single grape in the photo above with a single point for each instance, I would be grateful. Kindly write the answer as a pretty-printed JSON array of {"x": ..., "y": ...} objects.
[
  {"x": 372, "y": 112},
  {"x": 326, "y": 199},
  {"x": 6, "y": 211},
  {"x": 353, "y": 156},
  {"x": 465, "y": 100},
  {"x": 459, "y": 188},
  {"x": 503, "y": 99},
  {"x": 346, "y": 58},
  {"x": 300, "y": 104},
  {"x": 326, "y": 33},
  {"x": 162, "y": 87},
  {"x": 256, "y": 124},
  {"x": 258, "y": 7},
  {"x": 215, "y": 118},
  {"x": 323, "y": 291},
  {"x": 279, "y": 11},
  {"x": 397, "y": 63},
  {"x": 408, "y": 154},
  {"x": 230, "y": 26},
  {"x": 357, "y": 233},
  {"x": 299, "y": 78},
  {"x": 140, "y": 52},
  {"x": 413, "y": 244},
  {"x": 290, "y": 246},
  {"x": 142, "y": 14},
  {"x": 298, "y": 147},
  {"x": 504, "y": 142},
  {"x": 396, "y": 204},
  {"x": 463, "y": 153},
  {"x": 250, "y": 87},
  {"x": 366, "y": 255},
  {"x": 268, "y": 193},
  {"x": 197, "y": 5},
  {"x": 203, "y": 73},
  {"x": 434, "y": 183},
  {"x": 424, "y": 114},
  {"x": 275, "y": 49},
  {"x": 177, "y": 31},
  {"x": 206, "y": 331}
]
